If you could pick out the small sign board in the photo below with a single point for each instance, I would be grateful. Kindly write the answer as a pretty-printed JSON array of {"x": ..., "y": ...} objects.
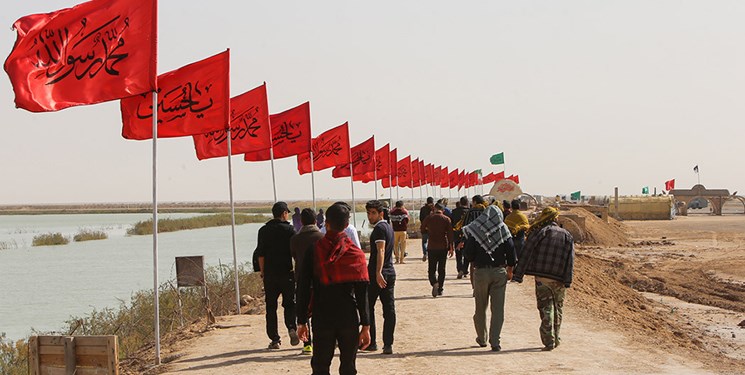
[{"x": 190, "y": 271}]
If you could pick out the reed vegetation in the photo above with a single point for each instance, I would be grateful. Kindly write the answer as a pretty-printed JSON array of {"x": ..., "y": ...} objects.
[
  {"x": 204, "y": 221},
  {"x": 132, "y": 321},
  {"x": 49, "y": 239},
  {"x": 13, "y": 356},
  {"x": 90, "y": 235}
]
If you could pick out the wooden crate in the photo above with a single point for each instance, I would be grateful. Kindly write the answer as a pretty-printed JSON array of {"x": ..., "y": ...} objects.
[{"x": 79, "y": 355}]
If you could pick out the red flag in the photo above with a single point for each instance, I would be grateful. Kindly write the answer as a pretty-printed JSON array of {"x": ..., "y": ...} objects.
[
  {"x": 290, "y": 134},
  {"x": 670, "y": 184},
  {"x": 422, "y": 180},
  {"x": 249, "y": 128},
  {"x": 382, "y": 166},
  {"x": 488, "y": 178},
  {"x": 462, "y": 181},
  {"x": 404, "y": 172},
  {"x": 93, "y": 52},
  {"x": 499, "y": 176},
  {"x": 194, "y": 99},
  {"x": 444, "y": 178},
  {"x": 453, "y": 179},
  {"x": 363, "y": 161},
  {"x": 514, "y": 178},
  {"x": 329, "y": 149},
  {"x": 436, "y": 181},
  {"x": 473, "y": 179},
  {"x": 393, "y": 179},
  {"x": 428, "y": 175},
  {"x": 416, "y": 179}
]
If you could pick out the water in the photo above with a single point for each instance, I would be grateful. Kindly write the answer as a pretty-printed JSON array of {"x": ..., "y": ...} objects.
[{"x": 42, "y": 287}]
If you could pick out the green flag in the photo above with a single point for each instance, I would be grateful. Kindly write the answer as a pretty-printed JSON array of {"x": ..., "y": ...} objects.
[
  {"x": 497, "y": 158},
  {"x": 478, "y": 171},
  {"x": 576, "y": 196},
  {"x": 645, "y": 190}
]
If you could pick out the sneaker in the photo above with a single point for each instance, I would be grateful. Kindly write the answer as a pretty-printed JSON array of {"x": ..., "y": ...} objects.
[
  {"x": 372, "y": 348},
  {"x": 387, "y": 349},
  {"x": 307, "y": 349},
  {"x": 439, "y": 292},
  {"x": 435, "y": 288},
  {"x": 460, "y": 275},
  {"x": 424, "y": 258},
  {"x": 481, "y": 344},
  {"x": 274, "y": 345},
  {"x": 294, "y": 339},
  {"x": 496, "y": 348},
  {"x": 547, "y": 348}
]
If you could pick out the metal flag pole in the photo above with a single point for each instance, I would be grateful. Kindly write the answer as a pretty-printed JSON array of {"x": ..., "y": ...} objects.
[
  {"x": 156, "y": 294},
  {"x": 351, "y": 180},
  {"x": 232, "y": 224},
  {"x": 271, "y": 157},
  {"x": 313, "y": 180},
  {"x": 390, "y": 188},
  {"x": 375, "y": 179}
]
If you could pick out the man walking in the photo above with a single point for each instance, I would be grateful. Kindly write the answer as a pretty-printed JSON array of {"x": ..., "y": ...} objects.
[
  {"x": 439, "y": 247},
  {"x": 519, "y": 225},
  {"x": 461, "y": 207},
  {"x": 300, "y": 245},
  {"x": 425, "y": 211},
  {"x": 548, "y": 255},
  {"x": 491, "y": 252},
  {"x": 400, "y": 223},
  {"x": 275, "y": 264},
  {"x": 382, "y": 276},
  {"x": 478, "y": 205},
  {"x": 335, "y": 269}
]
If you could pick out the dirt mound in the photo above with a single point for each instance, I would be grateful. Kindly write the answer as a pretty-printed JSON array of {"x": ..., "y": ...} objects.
[
  {"x": 600, "y": 289},
  {"x": 598, "y": 232}
]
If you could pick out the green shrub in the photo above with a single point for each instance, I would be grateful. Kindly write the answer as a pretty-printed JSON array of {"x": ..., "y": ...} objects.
[
  {"x": 49, "y": 239},
  {"x": 13, "y": 356},
  {"x": 206, "y": 221},
  {"x": 90, "y": 234}
]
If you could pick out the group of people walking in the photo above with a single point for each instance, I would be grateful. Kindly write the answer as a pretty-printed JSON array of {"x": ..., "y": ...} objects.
[{"x": 336, "y": 288}]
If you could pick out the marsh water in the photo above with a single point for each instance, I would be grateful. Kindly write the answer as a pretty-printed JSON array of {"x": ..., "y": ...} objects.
[{"x": 42, "y": 287}]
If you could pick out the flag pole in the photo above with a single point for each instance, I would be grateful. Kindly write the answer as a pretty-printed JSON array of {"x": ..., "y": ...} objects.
[
  {"x": 390, "y": 188},
  {"x": 156, "y": 294},
  {"x": 271, "y": 157},
  {"x": 375, "y": 177},
  {"x": 313, "y": 180},
  {"x": 232, "y": 223},
  {"x": 351, "y": 180}
]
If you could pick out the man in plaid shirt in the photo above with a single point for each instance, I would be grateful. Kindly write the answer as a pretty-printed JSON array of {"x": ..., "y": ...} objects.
[{"x": 548, "y": 255}]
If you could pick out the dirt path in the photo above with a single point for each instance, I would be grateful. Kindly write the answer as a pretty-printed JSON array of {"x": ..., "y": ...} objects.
[{"x": 589, "y": 345}]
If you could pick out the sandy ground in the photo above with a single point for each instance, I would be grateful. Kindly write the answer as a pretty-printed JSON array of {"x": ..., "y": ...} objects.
[{"x": 436, "y": 336}]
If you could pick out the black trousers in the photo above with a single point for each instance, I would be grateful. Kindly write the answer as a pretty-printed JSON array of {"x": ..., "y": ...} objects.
[
  {"x": 437, "y": 260},
  {"x": 273, "y": 288},
  {"x": 324, "y": 342},
  {"x": 389, "y": 309},
  {"x": 461, "y": 263}
]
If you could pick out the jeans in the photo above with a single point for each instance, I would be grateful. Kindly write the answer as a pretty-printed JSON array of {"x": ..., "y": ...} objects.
[
  {"x": 389, "y": 309},
  {"x": 273, "y": 288},
  {"x": 399, "y": 245},
  {"x": 436, "y": 261},
  {"x": 425, "y": 239},
  {"x": 324, "y": 342},
  {"x": 550, "y": 297},
  {"x": 489, "y": 283}
]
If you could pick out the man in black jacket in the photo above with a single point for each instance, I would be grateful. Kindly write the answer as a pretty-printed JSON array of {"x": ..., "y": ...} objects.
[
  {"x": 336, "y": 271},
  {"x": 275, "y": 264},
  {"x": 425, "y": 211}
]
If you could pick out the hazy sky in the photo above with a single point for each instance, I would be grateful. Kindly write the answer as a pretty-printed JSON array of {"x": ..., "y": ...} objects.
[{"x": 580, "y": 95}]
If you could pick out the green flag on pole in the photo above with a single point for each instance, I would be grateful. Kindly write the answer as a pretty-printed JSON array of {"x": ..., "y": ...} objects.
[
  {"x": 576, "y": 196},
  {"x": 497, "y": 158},
  {"x": 645, "y": 190},
  {"x": 478, "y": 171}
]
